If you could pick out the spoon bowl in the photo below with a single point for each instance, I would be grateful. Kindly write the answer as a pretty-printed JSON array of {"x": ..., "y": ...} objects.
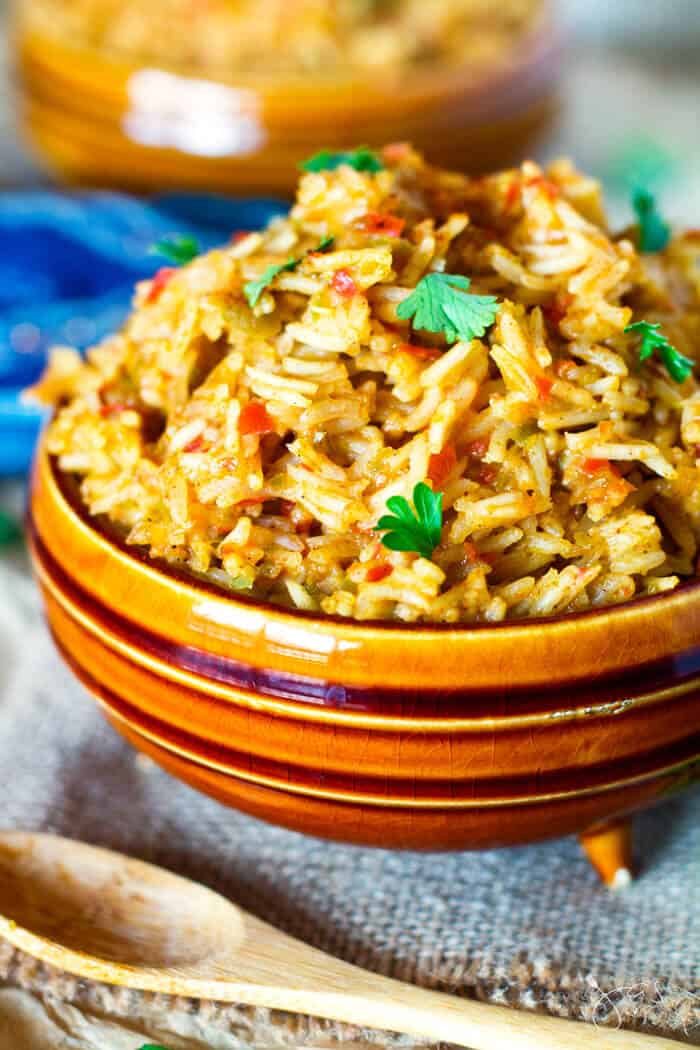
[{"x": 103, "y": 916}]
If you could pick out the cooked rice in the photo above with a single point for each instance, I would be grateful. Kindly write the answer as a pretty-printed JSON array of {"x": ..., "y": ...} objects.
[
  {"x": 292, "y": 36},
  {"x": 572, "y": 476}
]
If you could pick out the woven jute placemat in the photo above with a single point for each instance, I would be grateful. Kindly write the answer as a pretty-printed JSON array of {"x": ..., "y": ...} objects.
[{"x": 530, "y": 927}]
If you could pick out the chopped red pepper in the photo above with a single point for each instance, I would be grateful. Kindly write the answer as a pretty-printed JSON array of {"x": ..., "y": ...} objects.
[
  {"x": 378, "y": 222},
  {"x": 555, "y": 312},
  {"x": 544, "y": 386},
  {"x": 513, "y": 193},
  {"x": 478, "y": 449},
  {"x": 114, "y": 408},
  {"x": 441, "y": 465},
  {"x": 595, "y": 466},
  {"x": 395, "y": 152},
  {"x": 159, "y": 281},
  {"x": 378, "y": 572},
  {"x": 426, "y": 353},
  {"x": 239, "y": 235},
  {"x": 343, "y": 283},
  {"x": 254, "y": 419},
  {"x": 196, "y": 445},
  {"x": 546, "y": 185}
]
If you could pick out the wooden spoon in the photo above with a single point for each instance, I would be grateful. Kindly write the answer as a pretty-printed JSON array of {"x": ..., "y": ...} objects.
[{"x": 100, "y": 915}]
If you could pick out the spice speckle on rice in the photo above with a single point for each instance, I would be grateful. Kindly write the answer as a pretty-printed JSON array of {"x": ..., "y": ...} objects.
[{"x": 256, "y": 431}]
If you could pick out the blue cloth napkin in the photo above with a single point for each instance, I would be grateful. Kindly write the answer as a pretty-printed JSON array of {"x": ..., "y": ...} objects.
[{"x": 68, "y": 266}]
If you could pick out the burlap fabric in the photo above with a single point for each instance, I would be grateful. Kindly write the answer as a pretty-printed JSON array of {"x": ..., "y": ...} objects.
[{"x": 531, "y": 927}]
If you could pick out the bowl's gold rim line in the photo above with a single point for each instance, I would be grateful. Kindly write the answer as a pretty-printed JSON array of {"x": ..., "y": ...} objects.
[
  {"x": 296, "y": 709},
  {"x": 288, "y": 787},
  {"x": 516, "y": 629}
]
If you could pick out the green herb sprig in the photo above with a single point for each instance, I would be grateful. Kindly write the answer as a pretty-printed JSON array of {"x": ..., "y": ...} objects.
[
  {"x": 254, "y": 289},
  {"x": 153, "y": 1046},
  {"x": 10, "y": 531},
  {"x": 654, "y": 231},
  {"x": 653, "y": 341},
  {"x": 179, "y": 250},
  {"x": 440, "y": 303},
  {"x": 362, "y": 159},
  {"x": 406, "y": 529}
]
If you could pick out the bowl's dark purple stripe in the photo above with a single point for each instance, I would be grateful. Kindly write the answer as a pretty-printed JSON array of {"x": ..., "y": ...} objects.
[
  {"x": 466, "y": 789},
  {"x": 401, "y": 703}
]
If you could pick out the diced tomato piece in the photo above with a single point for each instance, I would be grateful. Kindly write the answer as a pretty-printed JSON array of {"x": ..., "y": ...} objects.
[
  {"x": 478, "y": 449},
  {"x": 546, "y": 185},
  {"x": 196, "y": 445},
  {"x": 159, "y": 281},
  {"x": 378, "y": 222},
  {"x": 544, "y": 386},
  {"x": 487, "y": 474},
  {"x": 426, "y": 353},
  {"x": 395, "y": 152},
  {"x": 254, "y": 419},
  {"x": 343, "y": 283},
  {"x": 441, "y": 465},
  {"x": 114, "y": 408},
  {"x": 555, "y": 312},
  {"x": 594, "y": 466},
  {"x": 378, "y": 572},
  {"x": 239, "y": 235},
  {"x": 471, "y": 552},
  {"x": 513, "y": 193}
]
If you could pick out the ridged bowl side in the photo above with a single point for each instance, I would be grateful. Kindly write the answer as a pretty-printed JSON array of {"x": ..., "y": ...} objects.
[{"x": 435, "y": 738}]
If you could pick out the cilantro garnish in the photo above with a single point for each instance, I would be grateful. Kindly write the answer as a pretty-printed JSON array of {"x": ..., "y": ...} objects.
[
  {"x": 362, "y": 159},
  {"x": 254, "y": 289},
  {"x": 153, "y": 1046},
  {"x": 178, "y": 250},
  {"x": 439, "y": 304},
  {"x": 10, "y": 531},
  {"x": 409, "y": 530},
  {"x": 654, "y": 231},
  {"x": 652, "y": 341}
]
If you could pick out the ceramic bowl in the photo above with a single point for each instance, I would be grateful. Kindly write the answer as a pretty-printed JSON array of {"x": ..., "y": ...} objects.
[
  {"x": 428, "y": 737},
  {"x": 99, "y": 119}
]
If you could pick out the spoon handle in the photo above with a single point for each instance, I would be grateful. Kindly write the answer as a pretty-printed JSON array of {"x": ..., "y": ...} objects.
[{"x": 311, "y": 982}]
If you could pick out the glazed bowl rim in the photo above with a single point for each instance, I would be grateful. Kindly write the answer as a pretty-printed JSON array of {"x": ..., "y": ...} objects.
[{"x": 197, "y": 586}]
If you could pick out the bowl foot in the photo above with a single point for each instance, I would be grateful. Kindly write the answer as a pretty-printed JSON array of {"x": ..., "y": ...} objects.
[{"x": 609, "y": 849}]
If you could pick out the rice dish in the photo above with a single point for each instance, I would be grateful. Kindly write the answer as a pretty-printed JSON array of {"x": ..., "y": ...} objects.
[{"x": 267, "y": 404}]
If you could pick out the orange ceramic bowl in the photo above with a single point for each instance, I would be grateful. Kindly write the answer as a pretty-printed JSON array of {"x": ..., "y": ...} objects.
[
  {"x": 436, "y": 737},
  {"x": 99, "y": 119}
]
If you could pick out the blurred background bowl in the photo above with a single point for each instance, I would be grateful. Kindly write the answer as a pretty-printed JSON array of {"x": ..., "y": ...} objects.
[{"x": 99, "y": 118}]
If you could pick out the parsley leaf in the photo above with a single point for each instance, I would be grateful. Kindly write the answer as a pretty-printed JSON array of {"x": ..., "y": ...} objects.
[
  {"x": 254, "y": 289},
  {"x": 409, "y": 530},
  {"x": 653, "y": 340},
  {"x": 439, "y": 304},
  {"x": 178, "y": 250},
  {"x": 362, "y": 159},
  {"x": 654, "y": 231}
]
